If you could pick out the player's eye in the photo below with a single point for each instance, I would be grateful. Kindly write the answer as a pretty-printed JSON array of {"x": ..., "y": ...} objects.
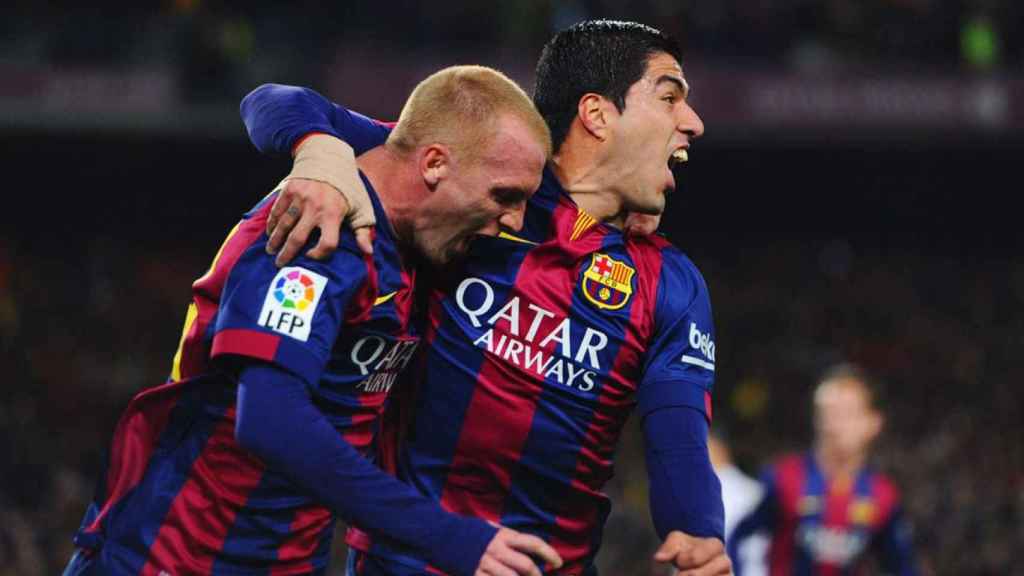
[
  {"x": 508, "y": 196},
  {"x": 670, "y": 98}
]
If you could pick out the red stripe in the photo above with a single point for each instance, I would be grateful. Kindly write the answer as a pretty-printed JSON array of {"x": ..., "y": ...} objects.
[
  {"x": 136, "y": 435},
  {"x": 790, "y": 478},
  {"x": 885, "y": 496},
  {"x": 245, "y": 342},
  {"x": 576, "y": 524},
  {"x": 360, "y": 306},
  {"x": 404, "y": 299},
  {"x": 200, "y": 516},
  {"x": 485, "y": 455},
  {"x": 207, "y": 291},
  {"x": 500, "y": 412},
  {"x": 837, "y": 508},
  {"x": 302, "y": 542},
  {"x": 360, "y": 431},
  {"x": 648, "y": 260},
  {"x": 571, "y": 536}
]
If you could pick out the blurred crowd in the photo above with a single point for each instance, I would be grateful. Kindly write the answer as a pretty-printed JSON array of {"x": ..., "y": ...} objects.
[
  {"x": 219, "y": 48},
  {"x": 79, "y": 335}
]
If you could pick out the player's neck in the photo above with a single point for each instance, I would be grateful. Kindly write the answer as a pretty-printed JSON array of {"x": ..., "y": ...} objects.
[
  {"x": 836, "y": 464},
  {"x": 397, "y": 183},
  {"x": 582, "y": 174}
]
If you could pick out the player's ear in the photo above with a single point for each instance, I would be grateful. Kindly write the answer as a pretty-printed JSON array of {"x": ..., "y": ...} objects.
[
  {"x": 879, "y": 422},
  {"x": 593, "y": 113},
  {"x": 435, "y": 162},
  {"x": 876, "y": 422}
]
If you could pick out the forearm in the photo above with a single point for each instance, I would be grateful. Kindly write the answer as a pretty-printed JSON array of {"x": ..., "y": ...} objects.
[
  {"x": 277, "y": 116},
  {"x": 278, "y": 422},
  {"x": 685, "y": 493}
]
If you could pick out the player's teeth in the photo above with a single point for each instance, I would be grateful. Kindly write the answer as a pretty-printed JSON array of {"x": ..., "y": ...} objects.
[{"x": 680, "y": 155}]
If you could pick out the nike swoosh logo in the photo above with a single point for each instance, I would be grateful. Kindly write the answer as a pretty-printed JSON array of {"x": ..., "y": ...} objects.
[{"x": 382, "y": 299}]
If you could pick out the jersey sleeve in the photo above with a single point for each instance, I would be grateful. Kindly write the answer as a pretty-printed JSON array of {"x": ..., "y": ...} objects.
[
  {"x": 287, "y": 316},
  {"x": 685, "y": 493},
  {"x": 680, "y": 365},
  {"x": 277, "y": 116}
]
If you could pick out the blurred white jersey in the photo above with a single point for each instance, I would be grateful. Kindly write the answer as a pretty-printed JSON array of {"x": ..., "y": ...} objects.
[{"x": 741, "y": 494}]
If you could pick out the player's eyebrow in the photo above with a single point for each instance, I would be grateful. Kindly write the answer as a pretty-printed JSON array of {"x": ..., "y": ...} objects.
[{"x": 680, "y": 83}]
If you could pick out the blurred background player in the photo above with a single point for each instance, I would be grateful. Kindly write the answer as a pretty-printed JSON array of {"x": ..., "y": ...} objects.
[
  {"x": 829, "y": 511},
  {"x": 740, "y": 495},
  {"x": 239, "y": 464},
  {"x": 545, "y": 341}
]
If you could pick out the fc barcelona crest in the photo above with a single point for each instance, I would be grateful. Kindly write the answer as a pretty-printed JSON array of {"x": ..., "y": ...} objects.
[
  {"x": 607, "y": 282},
  {"x": 862, "y": 511}
]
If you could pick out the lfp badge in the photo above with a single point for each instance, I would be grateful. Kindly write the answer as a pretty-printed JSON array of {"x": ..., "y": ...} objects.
[
  {"x": 607, "y": 282},
  {"x": 291, "y": 301}
]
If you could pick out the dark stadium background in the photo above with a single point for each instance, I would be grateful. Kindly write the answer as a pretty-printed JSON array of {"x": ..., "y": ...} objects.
[{"x": 855, "y": 198}]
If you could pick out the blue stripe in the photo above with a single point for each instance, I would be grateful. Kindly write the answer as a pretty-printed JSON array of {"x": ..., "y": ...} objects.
[
  {"x": 814, "y": 485},
  {"x": 454, "y": 367},
  {"x": 376, "y": 565},
  {"x": 562, "y": 418},
  {"x": 260, "y": 527},
  {"x": 132, "y": 525},
  {"x": 865, "y": 479},
  {"x": 431, "y": 447}
]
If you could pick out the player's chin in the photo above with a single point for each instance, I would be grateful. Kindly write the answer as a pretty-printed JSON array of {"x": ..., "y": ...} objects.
[
  {"x": 652, "y": 205},
  {"x": 434, "y": 255},
  {"x": 453, "y": 252}
]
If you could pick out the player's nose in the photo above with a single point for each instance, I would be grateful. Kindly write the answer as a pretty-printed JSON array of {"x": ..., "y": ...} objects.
[
  {"x": 513, "y": 218},
  {"x": 690, "y": 122}
]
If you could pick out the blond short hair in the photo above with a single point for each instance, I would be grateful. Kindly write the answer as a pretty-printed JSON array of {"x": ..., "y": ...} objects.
[
  {"x": 460, "y": 106},
  {"x": 849, "y": 374}
]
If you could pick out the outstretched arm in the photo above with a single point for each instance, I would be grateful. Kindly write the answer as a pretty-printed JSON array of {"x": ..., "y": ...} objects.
[
  {"x": 278, "y": 422},
  {"x": 277, "y": 117}
]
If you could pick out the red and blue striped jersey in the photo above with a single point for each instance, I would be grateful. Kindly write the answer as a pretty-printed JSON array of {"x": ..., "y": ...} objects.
[
  {"x": 539, "y": 348},
  {"x": 828, "y": 527},
  {"x": 180, "y": 495}
]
